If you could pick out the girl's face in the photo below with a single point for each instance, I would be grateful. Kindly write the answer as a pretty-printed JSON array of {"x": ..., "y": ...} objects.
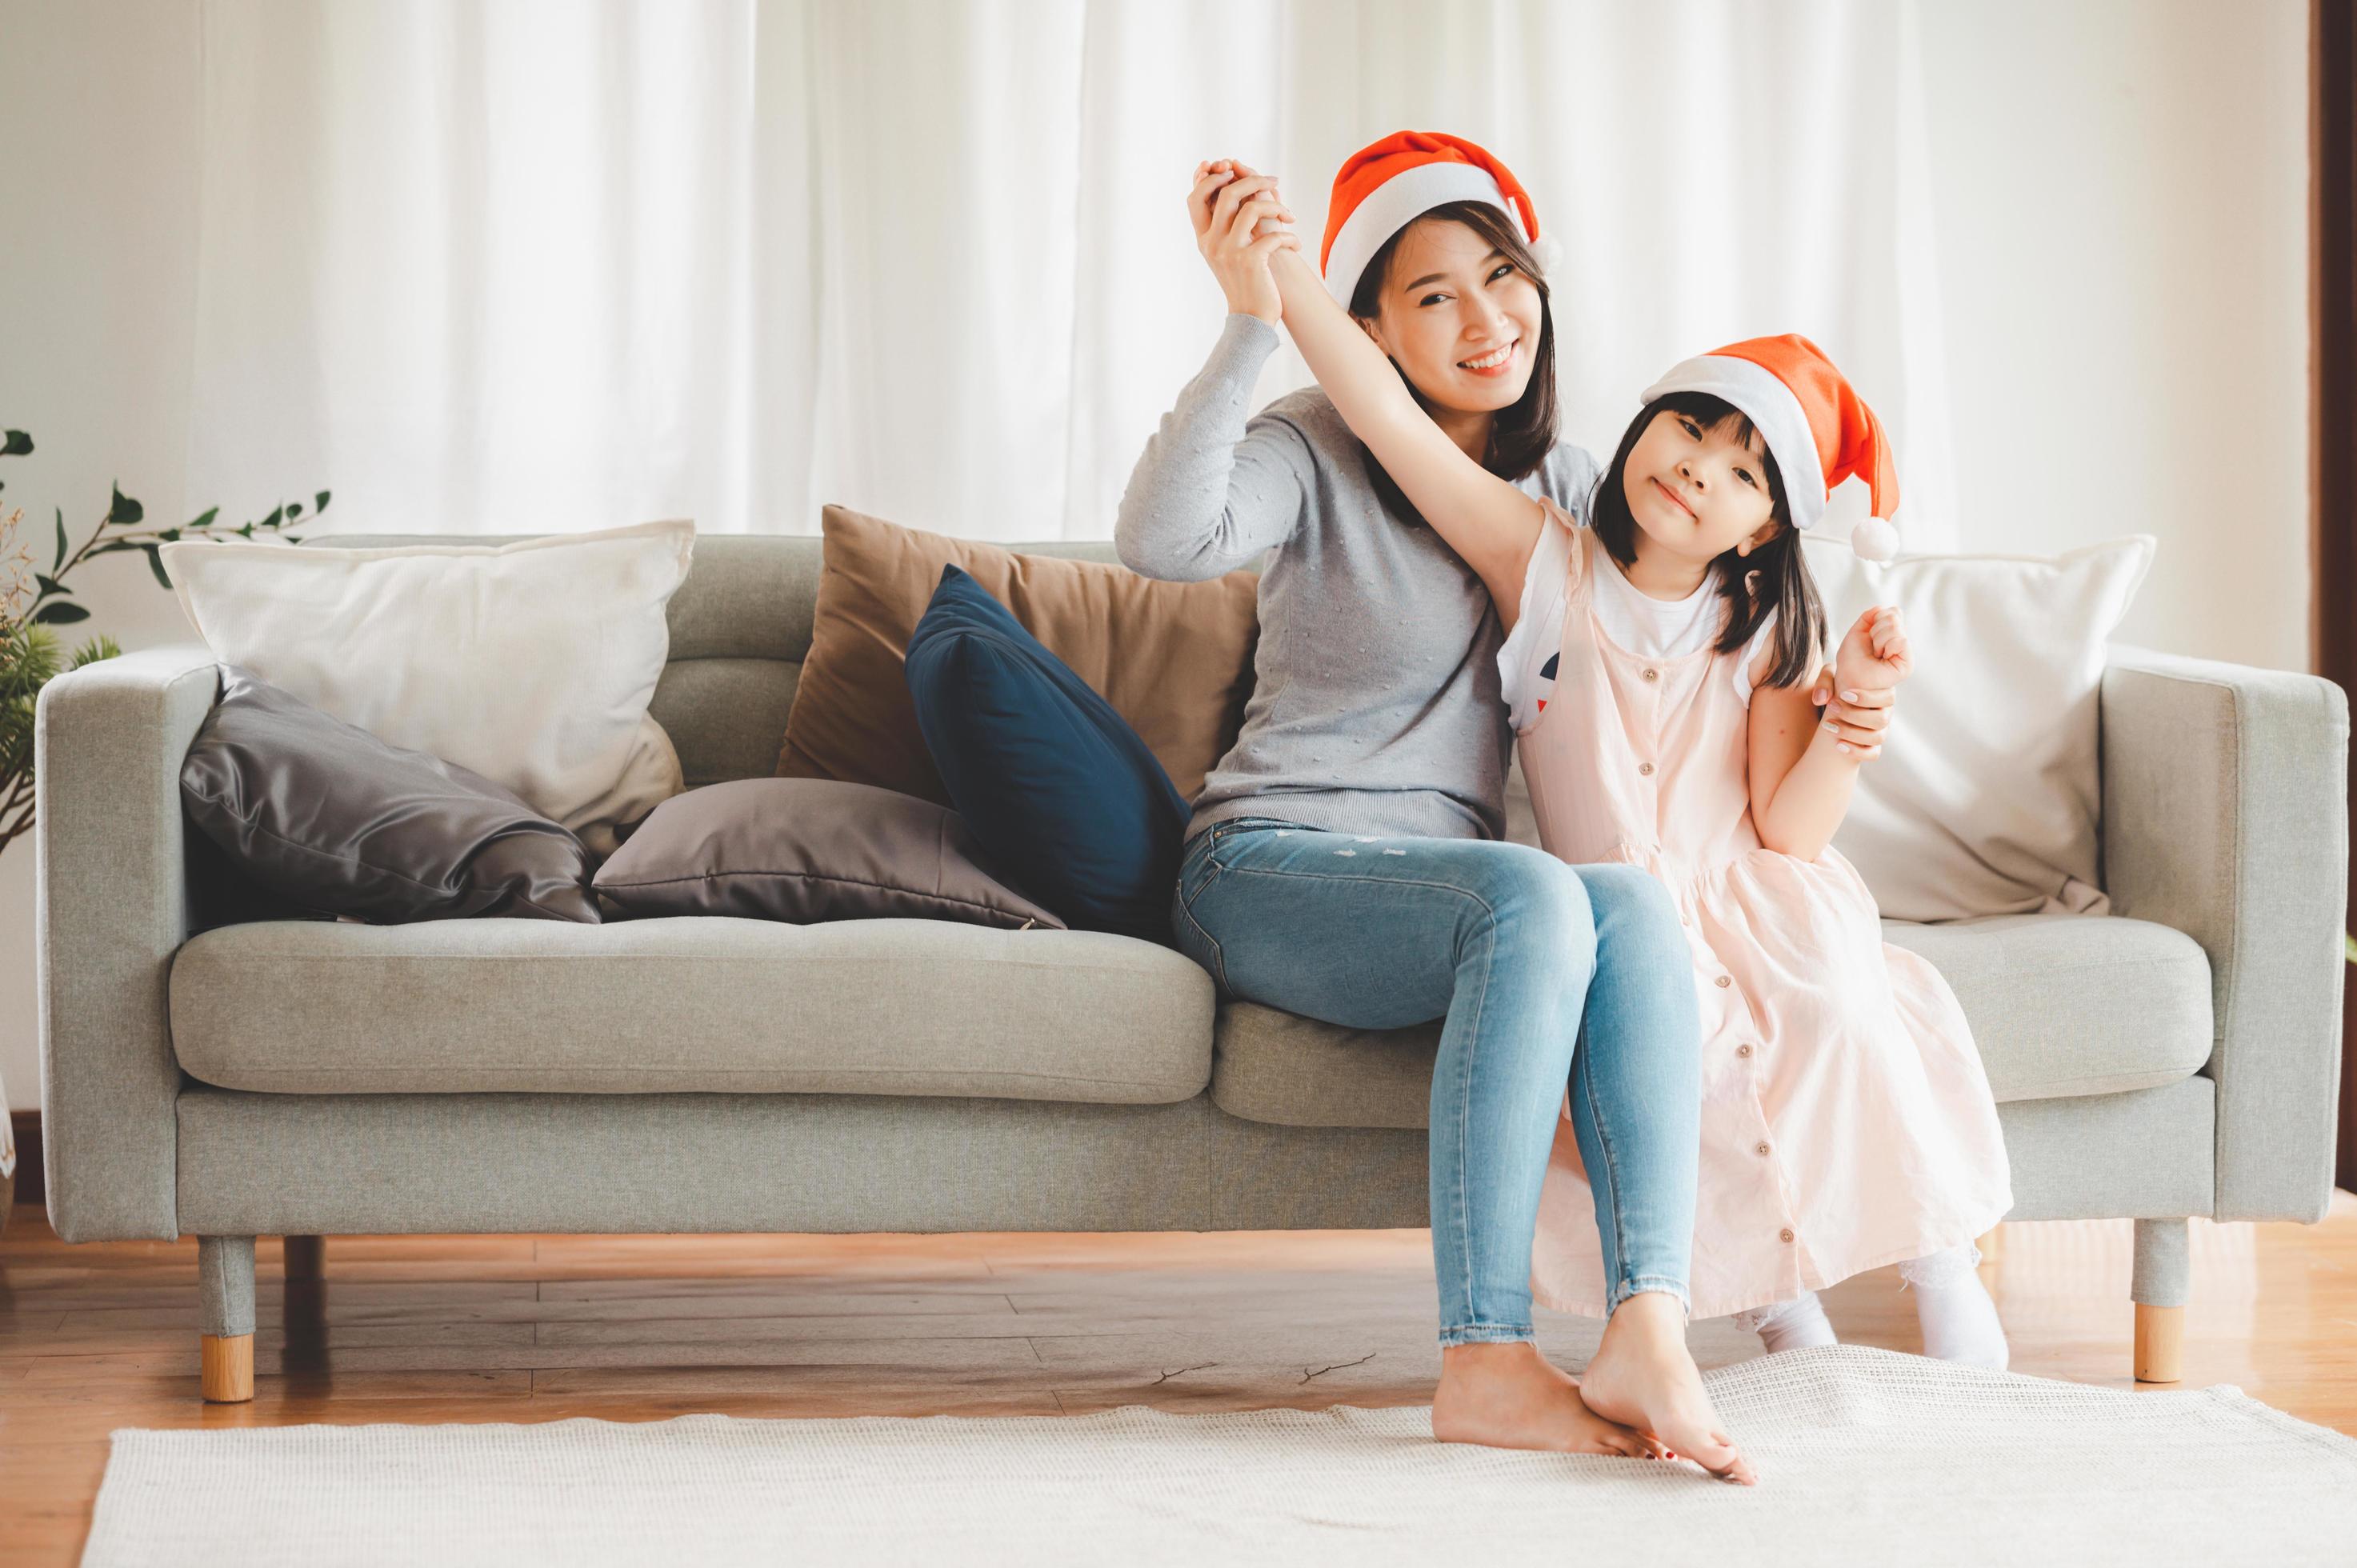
[
  {"x": 1460, "y": 318},
  {"x": 1697, "y": 493}
]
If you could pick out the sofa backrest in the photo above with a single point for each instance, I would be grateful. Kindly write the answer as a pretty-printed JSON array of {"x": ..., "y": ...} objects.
[{"x": 740, "y": 626}]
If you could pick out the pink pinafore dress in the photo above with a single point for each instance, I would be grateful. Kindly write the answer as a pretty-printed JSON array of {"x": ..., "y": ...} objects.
[{"x": 1847, "y": 1122}]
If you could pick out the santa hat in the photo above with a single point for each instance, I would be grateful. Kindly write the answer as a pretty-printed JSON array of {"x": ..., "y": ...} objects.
[
  {"x": 1815, "y": 424},
  {"x": 1384, "y": 187}
]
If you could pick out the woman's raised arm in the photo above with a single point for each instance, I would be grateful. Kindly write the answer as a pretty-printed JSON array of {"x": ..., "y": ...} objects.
[
  {"x": 1492, "y": 526},
  {"x": 1214, "y": 488}
]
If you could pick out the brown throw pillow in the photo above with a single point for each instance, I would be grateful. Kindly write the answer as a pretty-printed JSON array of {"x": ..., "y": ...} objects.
[
  {"x": 1173, "y": 658},
  {"x": 807, "y": 850}
]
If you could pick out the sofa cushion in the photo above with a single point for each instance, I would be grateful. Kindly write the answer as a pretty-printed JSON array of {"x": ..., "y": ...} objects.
[
  {"x": 1060, "y": 793},
  {"x": 323, "y": 812},
  {"x": 810, "y": 850},
  {"x": 530, "y": 663},
  {"x": 691, "y": 1004},
  {"x": 2059, "y": 1006},
  {"x": 1174, "y": 660}
]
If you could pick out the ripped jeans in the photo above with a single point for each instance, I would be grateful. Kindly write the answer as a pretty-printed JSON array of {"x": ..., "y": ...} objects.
[{"x": 1548, "y": 975}]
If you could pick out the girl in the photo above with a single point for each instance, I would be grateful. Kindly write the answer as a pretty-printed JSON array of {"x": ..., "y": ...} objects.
[{"x": 1657, "y": 669}]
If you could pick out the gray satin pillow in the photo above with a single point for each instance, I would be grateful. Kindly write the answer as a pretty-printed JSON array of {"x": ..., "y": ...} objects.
[
  {"x": 807, "y": 850},
  {"x": 324, "y": 813}
]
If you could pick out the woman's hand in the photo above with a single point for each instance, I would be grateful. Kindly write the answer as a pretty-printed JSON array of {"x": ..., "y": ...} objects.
[{"x": 1236, "y": 214}]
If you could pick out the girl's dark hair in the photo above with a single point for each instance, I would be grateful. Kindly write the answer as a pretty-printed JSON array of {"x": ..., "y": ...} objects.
[
  {"x": 1523, "y": 432},
  {"x": 1774, "y": 577}
]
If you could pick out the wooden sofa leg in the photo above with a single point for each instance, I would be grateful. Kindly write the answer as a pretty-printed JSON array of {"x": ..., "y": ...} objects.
[
  {"x": 228, "y": 1361},
  {"x": 225, "y": 1299},
  {"x": 2162, "y": 1280},
  {"x": 2159, "y": 1344}
]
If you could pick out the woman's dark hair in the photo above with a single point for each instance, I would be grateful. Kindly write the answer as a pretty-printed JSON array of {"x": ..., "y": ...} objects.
[
  {"x": 1522, "y": 433},
  {"x": 1772, "y": 579}
]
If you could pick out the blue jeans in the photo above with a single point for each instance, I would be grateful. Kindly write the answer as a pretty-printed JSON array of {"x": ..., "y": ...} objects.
[{"x": 1547, "y": 974}]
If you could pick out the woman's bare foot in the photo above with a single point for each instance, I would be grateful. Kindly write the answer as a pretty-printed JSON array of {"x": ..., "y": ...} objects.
[
  {"x": 1507, "y": 1395},
  {"x": 1644, "y": 1377}
]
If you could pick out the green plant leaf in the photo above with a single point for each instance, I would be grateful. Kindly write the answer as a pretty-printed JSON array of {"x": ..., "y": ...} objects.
[
  {"x": 293, "y": 511},
  {"x": 204, "y": 519},
  {"x": 246, "y": 530},
  {"x": 124, "y": 512},
  {"x": 49, "y": 585},
  {"x": 155, "y": 564},
  {"x": 16, "y": 445},
  {"x": 59, "y": 612},
  {"x": 167, "y": 535},
  {"x": 319, "y": 501},
  {"x": 62, "y": 541},
  {"x": 278, "y": 515}
]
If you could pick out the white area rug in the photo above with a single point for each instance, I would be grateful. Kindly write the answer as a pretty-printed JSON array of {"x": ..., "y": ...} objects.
[{"x": 1865, "y": 1456}]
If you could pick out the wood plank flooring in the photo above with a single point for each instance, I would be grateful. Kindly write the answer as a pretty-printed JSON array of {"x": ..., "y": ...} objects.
[{"x": 434, "y": 1328}]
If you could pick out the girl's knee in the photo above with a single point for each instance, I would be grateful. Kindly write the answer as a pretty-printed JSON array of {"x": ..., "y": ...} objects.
[{"x": 1629, "y": 896}]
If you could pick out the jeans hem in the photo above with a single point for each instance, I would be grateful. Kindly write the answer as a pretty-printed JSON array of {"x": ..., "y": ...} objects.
[
  {"x": 1642, "y": 1283},
  {"x": 1484, "y": 1334}
]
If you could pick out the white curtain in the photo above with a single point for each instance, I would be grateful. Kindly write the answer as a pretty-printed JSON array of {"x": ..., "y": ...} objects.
[{"x": 522, "y": 265}]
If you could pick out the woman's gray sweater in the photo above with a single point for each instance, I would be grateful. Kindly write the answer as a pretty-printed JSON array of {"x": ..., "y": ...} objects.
[{"x": 1375, "y": 707}]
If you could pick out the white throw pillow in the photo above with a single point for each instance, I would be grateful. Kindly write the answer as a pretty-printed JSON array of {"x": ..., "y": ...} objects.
[
  {"x": 1987, "y": 799},
  {"x": 532, "y": 663}
]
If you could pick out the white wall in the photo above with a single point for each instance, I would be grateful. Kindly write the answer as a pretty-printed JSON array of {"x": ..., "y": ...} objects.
[{"x": 2120, "y": 201}]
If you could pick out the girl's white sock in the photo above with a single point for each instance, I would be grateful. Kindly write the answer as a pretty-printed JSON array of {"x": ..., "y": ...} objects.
[
  {"x": 1960, "y": 1321},
  {"x": 1796, "y": 1324}
]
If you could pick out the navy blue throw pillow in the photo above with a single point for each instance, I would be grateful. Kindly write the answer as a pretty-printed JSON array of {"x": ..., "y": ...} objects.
[{"x": 1059, "y": 791}]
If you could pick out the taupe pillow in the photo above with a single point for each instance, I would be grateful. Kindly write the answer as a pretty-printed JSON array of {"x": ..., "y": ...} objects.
[
  {"x": 807, "y": 850},
  {"x": 1174, "y": 660}
]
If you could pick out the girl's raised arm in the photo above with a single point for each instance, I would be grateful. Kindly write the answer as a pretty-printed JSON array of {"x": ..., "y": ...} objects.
[{"x": 1492, "y": 526}]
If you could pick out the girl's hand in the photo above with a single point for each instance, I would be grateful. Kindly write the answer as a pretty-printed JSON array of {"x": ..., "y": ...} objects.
[
  {"x": 1874, "y": 654},
  {"x": 1237, "y": 215},
  {"x": 1871, "y": 662}
]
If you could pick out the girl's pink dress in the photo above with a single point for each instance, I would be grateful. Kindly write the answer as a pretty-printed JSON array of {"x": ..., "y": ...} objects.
[{"x": 1847, "y": 1122}]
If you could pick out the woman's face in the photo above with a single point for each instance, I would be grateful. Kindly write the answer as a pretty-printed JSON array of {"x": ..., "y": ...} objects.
[
  {"x": 1698, "y": 492},
  {"x": 1458, "y": 317}
]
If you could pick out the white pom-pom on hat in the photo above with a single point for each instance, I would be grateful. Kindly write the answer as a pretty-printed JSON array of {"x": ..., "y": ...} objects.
[
  {"x": 1876, "y": 539},
  {"x": 1547, "y": 251}
]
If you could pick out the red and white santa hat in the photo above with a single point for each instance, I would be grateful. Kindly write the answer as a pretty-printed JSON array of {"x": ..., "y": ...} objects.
[
  {"x": 1385, "y": 187},
  {"x": 1815, "y": 424}
]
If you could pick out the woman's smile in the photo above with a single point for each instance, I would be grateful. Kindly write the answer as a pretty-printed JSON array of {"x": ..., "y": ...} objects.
[{"x": 1496, "y": 363}]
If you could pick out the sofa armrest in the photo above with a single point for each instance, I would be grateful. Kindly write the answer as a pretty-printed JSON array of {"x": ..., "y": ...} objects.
[
  {"x": 110, "y": 908},
  {"x": 2225, "y": 815}
]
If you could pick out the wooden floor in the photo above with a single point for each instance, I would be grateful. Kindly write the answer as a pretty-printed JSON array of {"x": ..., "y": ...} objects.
[{"x": 434, "y": 1328}]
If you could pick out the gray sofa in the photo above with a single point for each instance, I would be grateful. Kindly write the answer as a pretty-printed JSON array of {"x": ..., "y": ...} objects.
[{"x": 305, "y": 1077}]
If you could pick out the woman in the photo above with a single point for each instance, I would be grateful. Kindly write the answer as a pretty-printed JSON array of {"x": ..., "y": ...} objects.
[{"x": 1345, "y": 860}]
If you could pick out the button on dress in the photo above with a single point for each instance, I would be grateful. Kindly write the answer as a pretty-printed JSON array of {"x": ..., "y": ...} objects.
[{"x": 1846, "y": 1121}]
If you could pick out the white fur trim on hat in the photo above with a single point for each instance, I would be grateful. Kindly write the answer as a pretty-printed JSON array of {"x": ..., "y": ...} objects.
[
  {"x": 1398, "y": 202},
  {"x": 1763, "y": 395}
]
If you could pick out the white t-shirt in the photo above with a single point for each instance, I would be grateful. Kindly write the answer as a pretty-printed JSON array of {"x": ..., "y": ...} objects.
[{"x": 1644, "y": 626}]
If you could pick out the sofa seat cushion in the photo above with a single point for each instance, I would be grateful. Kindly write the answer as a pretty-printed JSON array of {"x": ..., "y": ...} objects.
[
  {"x": 2059, "y": 1006},
  {"x": 691, "y": 1004}
]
